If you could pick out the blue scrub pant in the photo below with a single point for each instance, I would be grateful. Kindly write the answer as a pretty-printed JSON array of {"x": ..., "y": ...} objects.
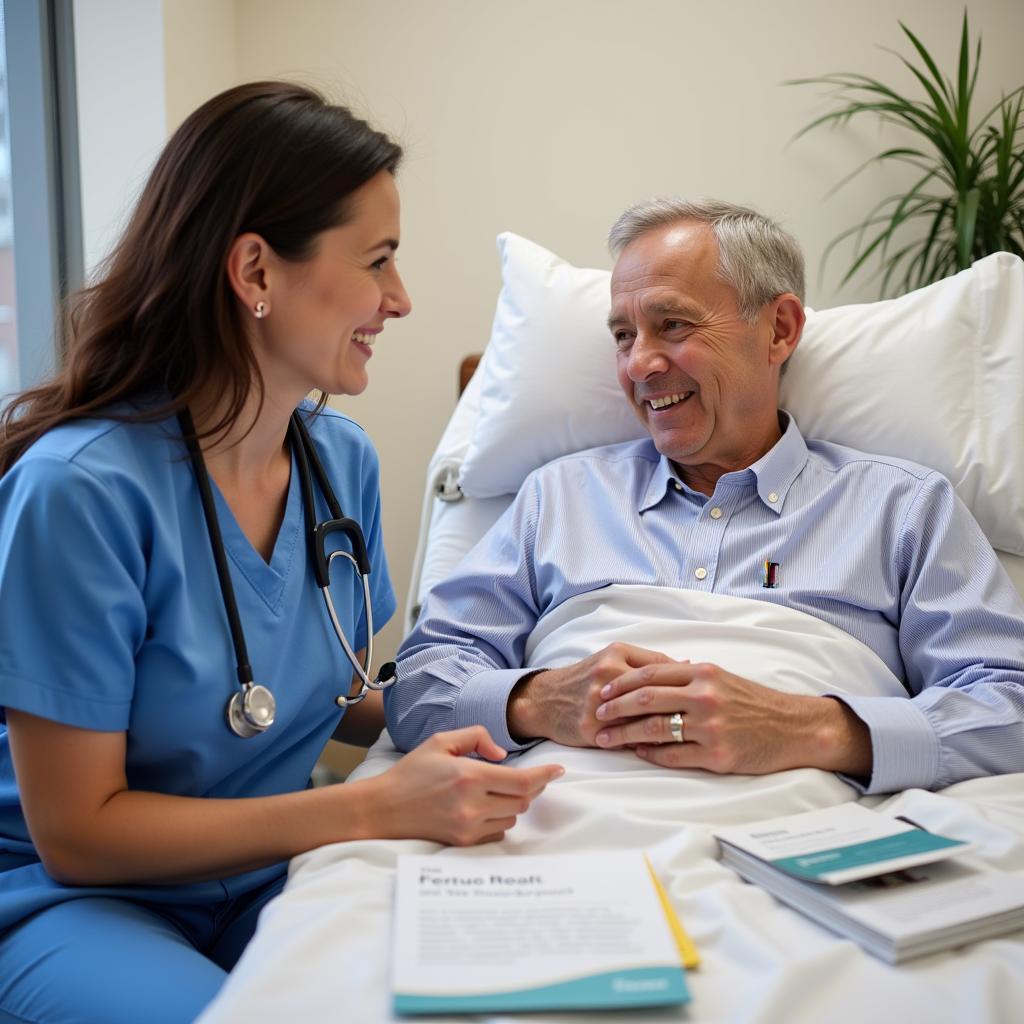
[{"x": 105, "y": 960}]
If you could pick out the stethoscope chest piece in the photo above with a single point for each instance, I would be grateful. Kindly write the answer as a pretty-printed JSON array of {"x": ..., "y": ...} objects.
[{"x": 251, "y": 710}]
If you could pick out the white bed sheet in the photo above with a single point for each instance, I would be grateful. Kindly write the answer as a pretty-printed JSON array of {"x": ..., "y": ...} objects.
[{"x": 321, "y": 951}]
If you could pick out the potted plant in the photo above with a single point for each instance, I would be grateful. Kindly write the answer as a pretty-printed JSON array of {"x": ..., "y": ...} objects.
[{"x": 968, "y": 200}]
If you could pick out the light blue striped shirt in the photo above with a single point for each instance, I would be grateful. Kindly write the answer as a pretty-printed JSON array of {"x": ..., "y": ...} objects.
[{"x": 879, "y": 547}]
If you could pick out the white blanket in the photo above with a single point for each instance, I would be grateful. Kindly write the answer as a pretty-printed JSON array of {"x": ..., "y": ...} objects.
[
  {"x": 769, "y": 643},
  {"x": 322, "y": 949}
]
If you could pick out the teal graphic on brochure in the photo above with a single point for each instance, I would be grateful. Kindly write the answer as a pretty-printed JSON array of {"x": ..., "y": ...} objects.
[
  {"x": 650, "y": 986},
  {"x": 872, "y": 853},
  {"x": 835, "y": 845},
  {"x": 585, "y": 931}
]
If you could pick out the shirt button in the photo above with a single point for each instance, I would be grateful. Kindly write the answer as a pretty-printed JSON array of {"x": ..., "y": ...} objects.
[
  {"x": 773, "y": 496},
  {"x": 677, "y": 485},
  {"x": 715, "y": 513},
  {"x": 700, "y": 573}
]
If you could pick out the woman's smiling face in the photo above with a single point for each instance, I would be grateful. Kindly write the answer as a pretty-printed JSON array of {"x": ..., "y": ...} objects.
[{"x": 326, "y": 313}]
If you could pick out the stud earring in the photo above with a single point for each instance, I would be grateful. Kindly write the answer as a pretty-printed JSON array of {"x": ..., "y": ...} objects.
[{"x": 260, "y": 310}]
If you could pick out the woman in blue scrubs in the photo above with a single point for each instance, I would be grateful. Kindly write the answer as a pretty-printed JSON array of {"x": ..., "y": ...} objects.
[{"x": 139, "y": 835}]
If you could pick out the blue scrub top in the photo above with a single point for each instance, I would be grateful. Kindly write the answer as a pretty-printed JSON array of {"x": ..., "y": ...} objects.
[{"x": 111, "y": 618}]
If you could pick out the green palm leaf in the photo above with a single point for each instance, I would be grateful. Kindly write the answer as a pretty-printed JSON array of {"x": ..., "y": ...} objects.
[{"x": 969, "y": 200}]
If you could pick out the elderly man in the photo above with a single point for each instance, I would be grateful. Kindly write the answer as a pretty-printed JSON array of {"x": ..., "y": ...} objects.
[{"x": 706, "y": 308}]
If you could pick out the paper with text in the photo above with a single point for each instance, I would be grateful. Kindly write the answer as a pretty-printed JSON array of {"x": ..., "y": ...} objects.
[{"x": 551, "y": 932}]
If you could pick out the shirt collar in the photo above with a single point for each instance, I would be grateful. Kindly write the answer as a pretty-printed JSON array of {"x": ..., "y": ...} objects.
[
  {"x": 780, "y": 465},
  {"x": 662, "y": 479},
  {"x": 774, "y": 472}
]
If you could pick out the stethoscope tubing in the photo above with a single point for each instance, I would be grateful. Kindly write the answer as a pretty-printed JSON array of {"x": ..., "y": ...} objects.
[
  {"x": 251, "y": 709},
  {"x": 362, "y": 670},
  {"x": 227, "y": 590}
]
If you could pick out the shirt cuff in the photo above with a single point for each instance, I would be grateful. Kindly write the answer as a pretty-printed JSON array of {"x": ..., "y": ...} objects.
[
  {"x": 483, "y": 700},
  {"x": 904, "y": 747}
]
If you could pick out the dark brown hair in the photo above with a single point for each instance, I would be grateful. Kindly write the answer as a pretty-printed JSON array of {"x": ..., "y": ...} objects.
[{"x": 273, "y": 158}]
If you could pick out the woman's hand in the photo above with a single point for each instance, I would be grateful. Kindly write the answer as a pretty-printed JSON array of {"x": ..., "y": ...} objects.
[{"x": 436, "y": 792}]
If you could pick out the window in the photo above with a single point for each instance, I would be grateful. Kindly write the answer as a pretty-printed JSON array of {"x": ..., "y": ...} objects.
[
  {"x": 8, "y": 330},
  {"x": 39, "y": 193}
]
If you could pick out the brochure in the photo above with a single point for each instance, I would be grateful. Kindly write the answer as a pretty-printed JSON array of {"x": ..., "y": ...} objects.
[
  {"x": 838, "y": 844},
  {"x": 553, "y": 932},
  {"x": 890, "y": 886}
]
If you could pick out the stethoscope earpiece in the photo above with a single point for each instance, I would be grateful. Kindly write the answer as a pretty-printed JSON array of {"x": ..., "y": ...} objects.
[{"x": 385, "y": 677}]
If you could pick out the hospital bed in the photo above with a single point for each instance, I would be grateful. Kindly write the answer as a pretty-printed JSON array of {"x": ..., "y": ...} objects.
[{"x": 936, "y": 377}]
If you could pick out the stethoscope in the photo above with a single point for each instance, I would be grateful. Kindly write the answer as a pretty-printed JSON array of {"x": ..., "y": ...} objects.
[{"x": 251, "y": 709}]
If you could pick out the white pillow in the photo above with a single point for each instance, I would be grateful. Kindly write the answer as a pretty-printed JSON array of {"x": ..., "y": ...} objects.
[
  {"x": 936, "y": 376},
  {"x": 549, "y": 384}
]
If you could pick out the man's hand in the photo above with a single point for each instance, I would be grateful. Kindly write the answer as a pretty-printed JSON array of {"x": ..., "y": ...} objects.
[
  {"x": 560, "y": 704},
  {"x": 730, "y": 724}
]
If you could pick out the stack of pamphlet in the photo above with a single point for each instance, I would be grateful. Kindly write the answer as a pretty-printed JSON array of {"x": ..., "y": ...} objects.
[
  {"x": 885, "y": 883},
  {"x": 557, "y": 932}
]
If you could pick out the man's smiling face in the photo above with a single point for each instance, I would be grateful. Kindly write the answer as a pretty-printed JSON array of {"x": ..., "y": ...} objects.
[{"x": 699, "y": 376}]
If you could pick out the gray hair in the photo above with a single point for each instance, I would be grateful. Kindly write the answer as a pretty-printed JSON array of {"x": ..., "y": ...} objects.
[{"x": 756, "y": 256}]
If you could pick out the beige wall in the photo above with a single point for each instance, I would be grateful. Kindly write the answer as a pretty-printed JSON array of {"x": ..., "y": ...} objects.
[
  {"x": 199, "y": 54},
  {"x": 547, "y": 118}
]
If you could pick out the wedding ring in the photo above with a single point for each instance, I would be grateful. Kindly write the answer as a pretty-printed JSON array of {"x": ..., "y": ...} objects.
[{"x": 675, "y": 723}]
